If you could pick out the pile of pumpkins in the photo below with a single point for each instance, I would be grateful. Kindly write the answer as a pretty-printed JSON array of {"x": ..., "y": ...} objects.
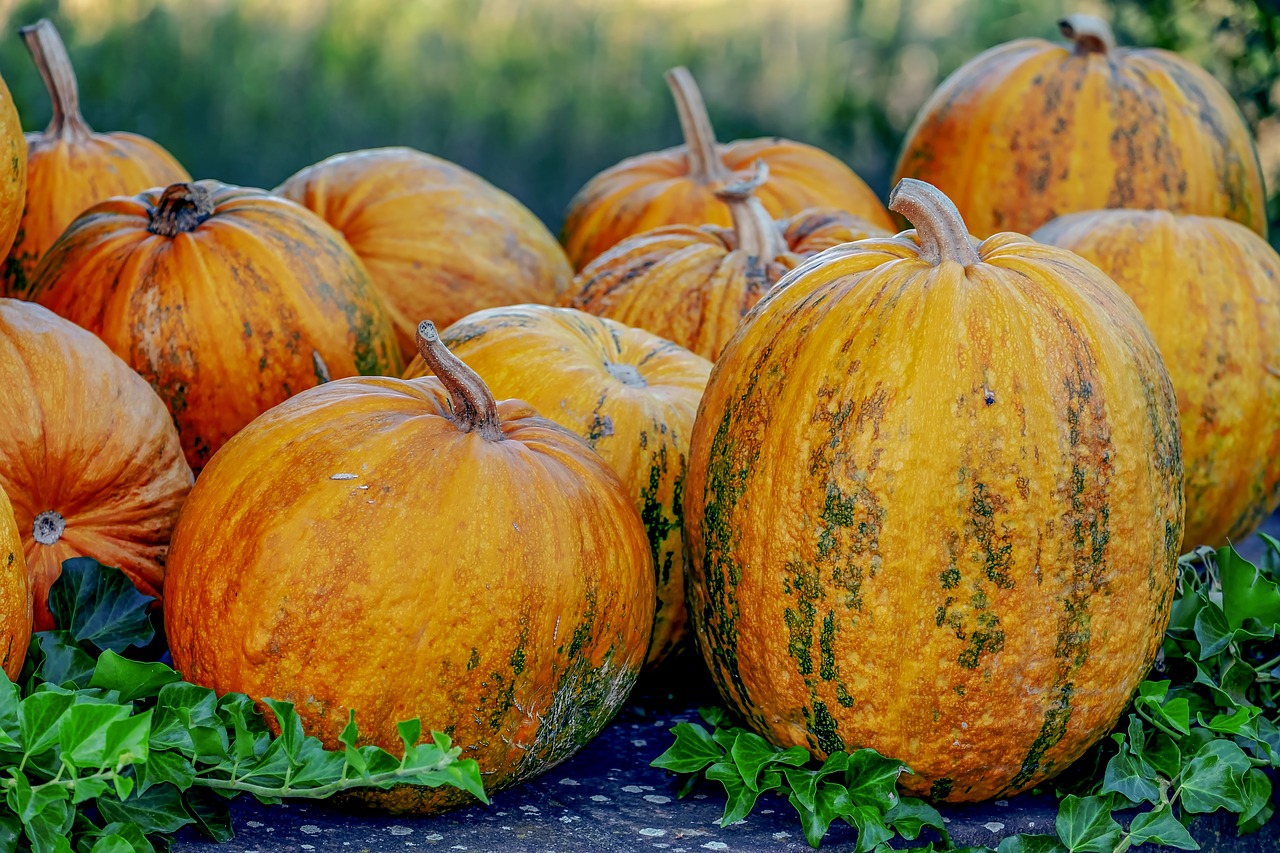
[{"x": 922, "y": 492}]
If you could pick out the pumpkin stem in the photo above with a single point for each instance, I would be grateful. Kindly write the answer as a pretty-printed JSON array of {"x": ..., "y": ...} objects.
[
  {"x": 941, "y": 231},
  {"x": 51, "y": 59},
  {"x": 181, "y": 208},
  {"x": 1090, "y": 34},
  {"x": 474, "y": 409},
  {"x": 705, "y": 165},
  {"x": 758, "y": 234}
]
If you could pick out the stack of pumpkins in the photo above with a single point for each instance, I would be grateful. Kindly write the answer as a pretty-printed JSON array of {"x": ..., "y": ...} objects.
[{"x": 929, "y": 498}]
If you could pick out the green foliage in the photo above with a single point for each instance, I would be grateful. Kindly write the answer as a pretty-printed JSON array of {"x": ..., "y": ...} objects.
[
  {"x": 539, "y": 95},
  {"x": 88, "y": 729},
  {"x": 1196, "y": 739}
]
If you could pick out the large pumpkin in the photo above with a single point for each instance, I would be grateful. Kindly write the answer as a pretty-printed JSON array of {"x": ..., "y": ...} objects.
[
  {"x": 13, "y": 180},
  {"x": 934, "y": 505},
  {"x": 629, "y": 394},
  {"x": 412, "y": 549},
  {"x": 88, "y": 454},
  {"x": 1031, "y": 130},
  {"x": 438, "y": 241},
  {"x": 677, "y": 186},
  {"x": 15, "y": 594},
  {"x": 1209, "y": 289},
  {"x": 226, "y": 300},
  {"x": 69, "y": 167},
  {"x": 693, "y": 285}
]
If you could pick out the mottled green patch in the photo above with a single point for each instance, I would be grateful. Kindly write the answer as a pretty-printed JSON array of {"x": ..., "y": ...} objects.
[
  {"x": 843, "y": 696},
  {"x": 517, "y": 660},
  {"x": 807, "y": 587},
  {"x": 987, "y": 638},
  {"x": 582, "y": 633},
  {"x": 658, "y": 522},
  {"x": 940, "y": 789},
  {"x": 827, "y": 647},
  {"x": 823, "y": 727},
  {"x": 950, "y": 578},
  {"x": 1051, "y": 732},
  {"x": 474, "y": 660},
  {"x": 994, "y": 541}
]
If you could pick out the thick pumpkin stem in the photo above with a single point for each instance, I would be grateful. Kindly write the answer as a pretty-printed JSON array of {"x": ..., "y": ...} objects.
[
  {"x": 181, "y": 208},
  {"x": 1090, "y": 34},
  {"x": 941, "y": 231},
  {"x": 758, "y": 234},
  {"x": 705, "y": 165},
  {"x": 474, "y": 409},
  {"x": 53, "y": 63}
]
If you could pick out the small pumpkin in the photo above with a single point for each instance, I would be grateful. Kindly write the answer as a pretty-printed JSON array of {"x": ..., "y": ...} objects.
[
  {"x": 15, "y": 594},
  {"x": 934, "y": 505},
  {"x": 88, "y": 454},
  {"x": 227, "y": 300},
  {"x": 677, "y": 186},
  {"x": 488, "y": 571},
  {"x": 69, "y": 167},
  {"x": 694, "y": 285},
  {"x": 438, "y": 240},
  {"x": 1209, "y": 289},
  {"x": 629, "y": 394},
  {"x": 1032, "y": 130}
]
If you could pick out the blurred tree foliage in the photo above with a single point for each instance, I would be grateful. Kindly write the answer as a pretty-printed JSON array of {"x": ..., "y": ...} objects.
[{"x": 538, "y": 95}]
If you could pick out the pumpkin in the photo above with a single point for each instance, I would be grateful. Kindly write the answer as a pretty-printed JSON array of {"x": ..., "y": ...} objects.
[
  {"x": 69, "y": 167},
  {"x": 1031, "y": 130},
  {"x": 88, "y": 454},
  {"x": 934, "y": 505},
  {"x": 15, "y": 594},
  {"x": 629, "y": 394},
  {"x": 1209, "y": 289},
  {"x": 227, "y": 300},
  {"x": 438, "y": 240},
  {"x": 694, "y": 285},
  {"x": 677, "y": 186},
  {"x": 13, "y": 180},
  {"x": 487, "y": 569}
]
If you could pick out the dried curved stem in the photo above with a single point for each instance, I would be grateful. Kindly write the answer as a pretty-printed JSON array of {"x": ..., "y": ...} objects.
[
  {"x": 705, "y": 165},
  {"x": 1090, "y": 34},
  {"x": 181, "y": 208},
  {"x": 51, "y": 59},
  {"x": 474, "y": 409},
  {"x": 941, "y": 231},
  {"x": 757, "y": 232}
]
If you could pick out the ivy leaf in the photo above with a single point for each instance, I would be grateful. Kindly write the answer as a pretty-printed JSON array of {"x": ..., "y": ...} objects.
[
  {"x": 1163, "y": 754},
  {"x": 111, "y": 844},
  {"x": 751, "y": 753},
  {"x": 291, "y": 736},
  {"x": 165, "y": 766},
  {"x": 1085, "y": 824},
  {"x": 910, "y": 816},
  {"x": 1159, "y": 826},
  {"x": 869, "y": 821},
  {"x": 741, "y": 798},
  {"x": 1255, "y": 790},
  {"x": 830, "y": 802},
  {"x": 159, "y": 810},
  {"x": 693, "y": 750},
  {"x": 129, "y": 832},
  {"x": 872, "y": 779},
  {"x": 1024, "y": 843},
  {"x": 1212, "y": 632},
  {"x": 83, "y": 733},
  {"x": 1239, "y": 722},
  {"x": 26, "y": 801},
  {"x": 212, "y": 814},
  {"x": 130, "y": 678},
  {"x": 804, "y": 783},
  {"x": 40, "y": 716},
  {"x": 1212, "y": 778},
  {"x": 98, "y": 604},
  {"x": 1245, "y": 591},
  {"x": 62, "y": 661},
  {"x": 1130, "y": 776}
]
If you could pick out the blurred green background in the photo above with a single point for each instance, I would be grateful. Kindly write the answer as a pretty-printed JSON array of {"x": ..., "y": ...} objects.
[{"x": 539, "y": 95}]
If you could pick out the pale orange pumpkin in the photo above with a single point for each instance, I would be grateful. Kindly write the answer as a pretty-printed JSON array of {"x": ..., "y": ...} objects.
[
  {"x": 678, "y": 186},
  {"x": 15, "y": 594}
]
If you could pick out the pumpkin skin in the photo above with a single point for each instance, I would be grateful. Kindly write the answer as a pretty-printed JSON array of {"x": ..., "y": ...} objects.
[
  {"x": 1032, "y": 130},
  {"x": 15, "y": 594},
  {"x": 677, "y": 186},
  {"x": 239, "y": 301},
  {"x": 694, "y": 285},
  {"x": 13, "y": 178},
  {"x": 629, "y": 394},
  {"x": 1209, "y": 289},
  {"x": 438, "y": 240},
  {"x": 69, "y": 167},
  {"x": 934, "y": 506},
  {"x": 89, "y": 455},
  {"x": 488, "y": 572}
]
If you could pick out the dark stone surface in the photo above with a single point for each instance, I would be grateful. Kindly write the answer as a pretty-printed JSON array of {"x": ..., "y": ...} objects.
[{"x": 608, "y": 798}]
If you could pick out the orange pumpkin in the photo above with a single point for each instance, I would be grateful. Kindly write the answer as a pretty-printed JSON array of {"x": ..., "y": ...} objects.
[
  {"x": 487, "y": 569},
  {"x": 226, "y": 300},
  {"x": 438, "y": 241},
  {"x": 69, "y": 167},
  {"x": 1209, "y": 289},
  {"x": 934, "y": 505},
  {"x": 1031, "y": 130},
  {"x": 13, "y": 181},
  {"x": 15, "y": 594},
  {"x": 88, "y": 454},
  {"x": 694, "y": 285},
  {"x": 629, "y": 394},
  {"x": 677, "y": 186}
]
